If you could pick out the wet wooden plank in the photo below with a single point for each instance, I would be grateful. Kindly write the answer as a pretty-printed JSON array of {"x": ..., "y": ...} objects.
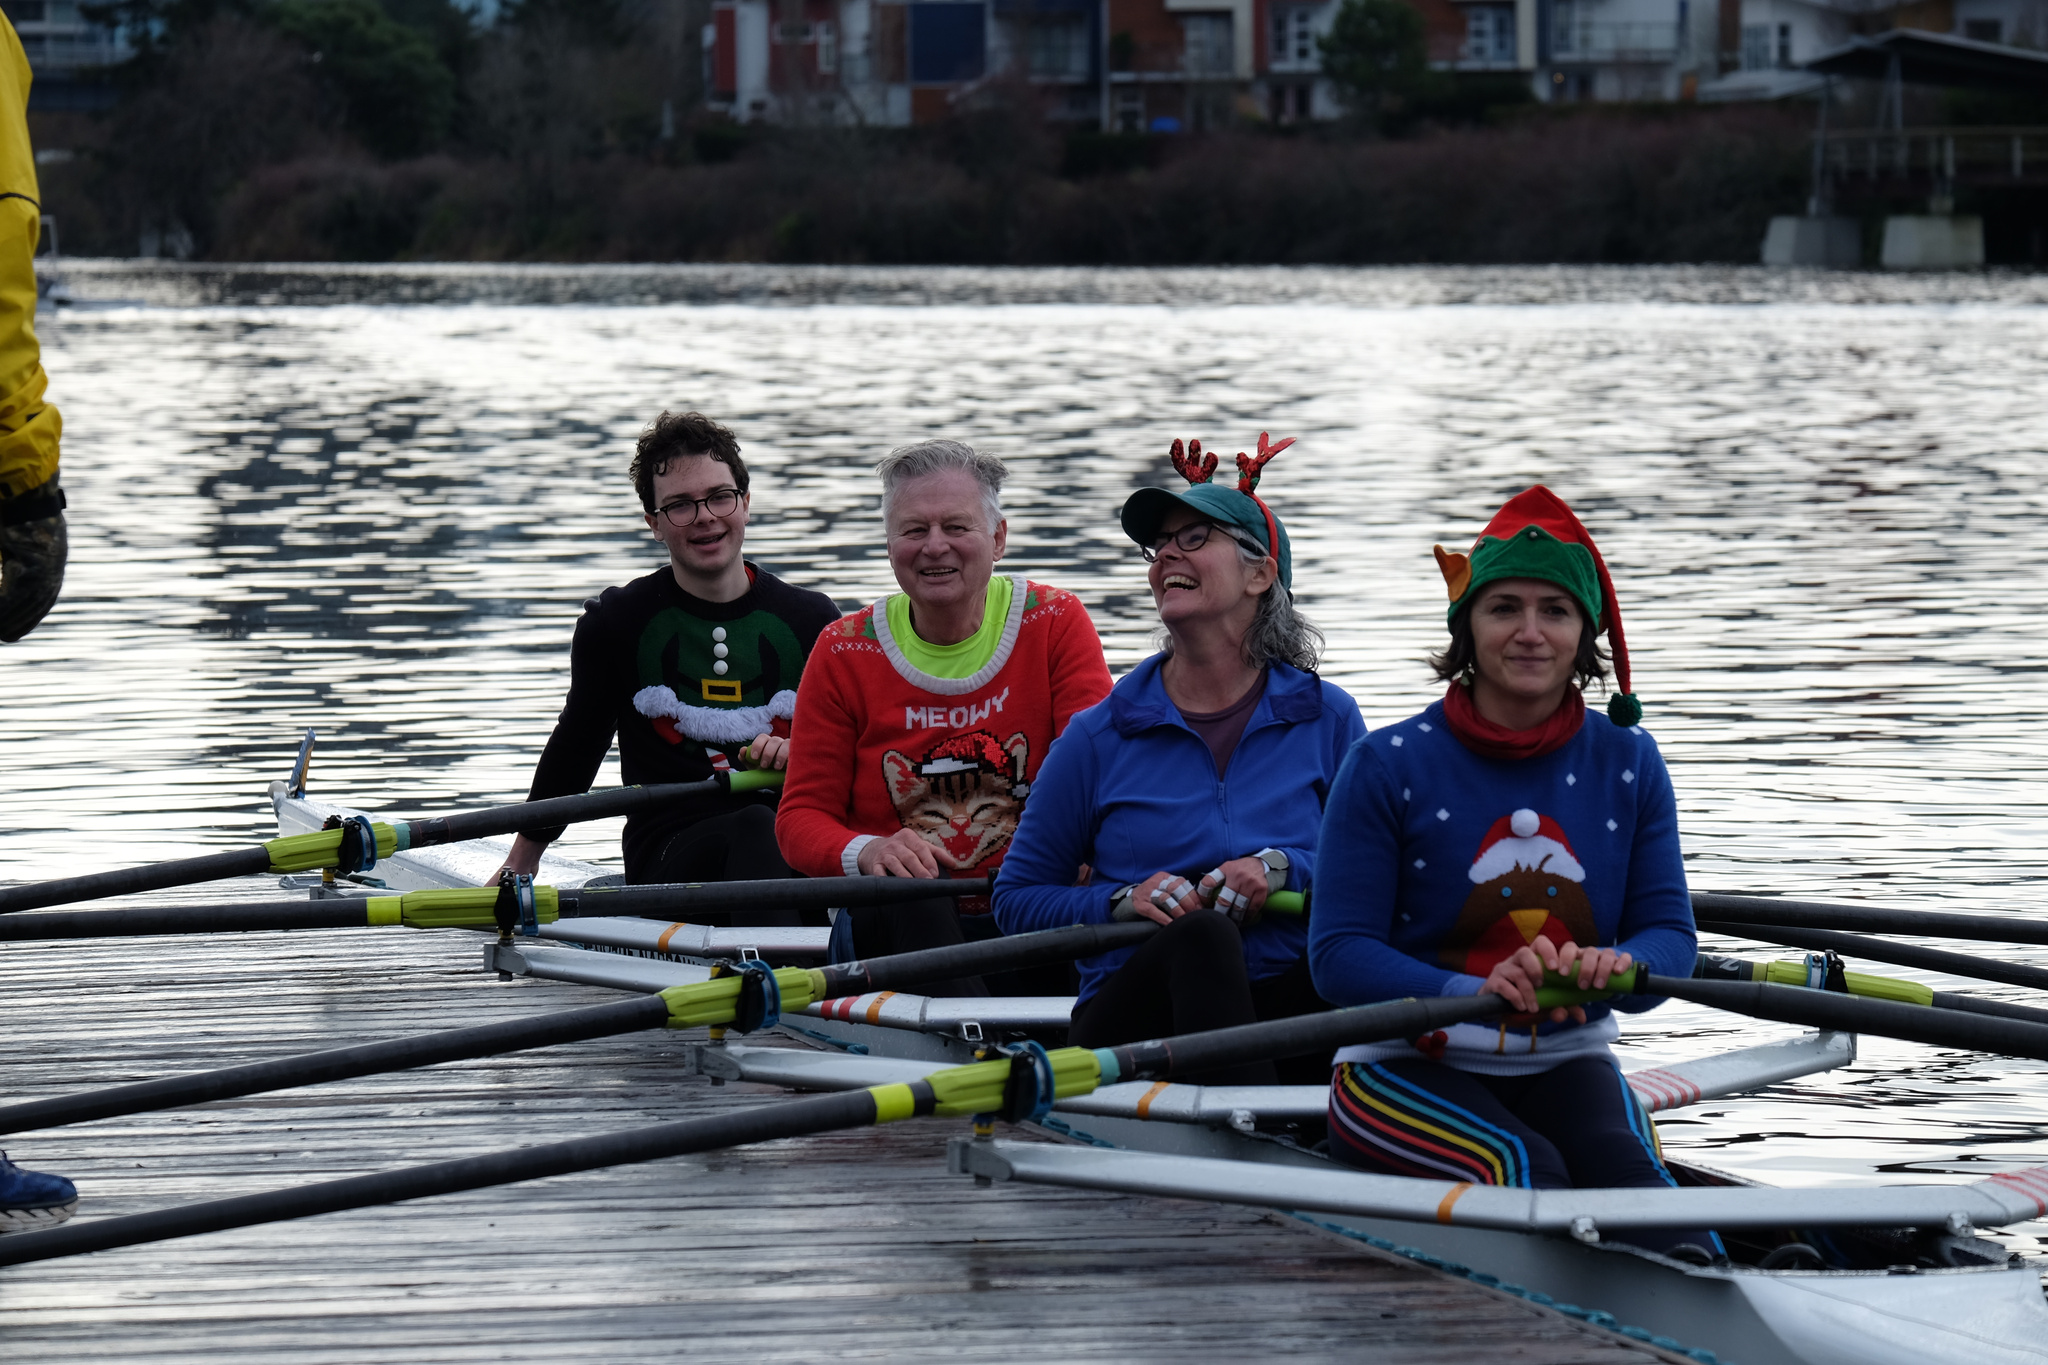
[{"x": 856, "y": 1244}]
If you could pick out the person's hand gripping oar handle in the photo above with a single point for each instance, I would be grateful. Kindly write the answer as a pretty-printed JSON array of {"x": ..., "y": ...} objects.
[{"x": 358, "y": 844}]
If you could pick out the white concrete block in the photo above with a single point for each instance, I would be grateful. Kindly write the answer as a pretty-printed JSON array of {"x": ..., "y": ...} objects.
[
  {"x": 1933, "y": 242},
  {"x": 1830, "y": 243}
]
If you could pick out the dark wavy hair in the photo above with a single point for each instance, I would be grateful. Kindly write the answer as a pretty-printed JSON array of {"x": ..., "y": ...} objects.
[
  {"x": 674, "y": 436},
  {"x": 1589, "y": 665}
]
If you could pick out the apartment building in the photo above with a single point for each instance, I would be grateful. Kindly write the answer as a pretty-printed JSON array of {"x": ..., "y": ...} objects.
[
  {"x": 1132, "y": 65},
  {"x": 65, "y": 53},
  {"x": 1170, "y": 66}
]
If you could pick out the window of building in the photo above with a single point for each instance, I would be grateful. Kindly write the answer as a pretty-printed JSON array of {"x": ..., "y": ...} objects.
[
  {"x": 1756, "y": 47},
  {"x": 1292, "y": 43},
  {"x": 828, "y": 46},
  {"x": 1564, "y": 29},
  {"x": 1785, "y": 45},
  {"x": 1056, "y": 47},
  {"x": 1206, "y": 44},
  {"x": 1490, "y": 33},
  {"x": 1984, "y": 30},
  {"x": 1130, "y": 111}
]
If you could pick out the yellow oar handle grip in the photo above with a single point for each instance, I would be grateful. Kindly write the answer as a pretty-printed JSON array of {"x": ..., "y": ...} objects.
[
  {"x": 322, "y": 848},
  {"x": 753, "y": 779},
  {"x": 469, "y": 907},
  {"x": 1859, "y": 983},
  {"x": 714, "y": 1001},
  {"x": 1287, "y": 902}
]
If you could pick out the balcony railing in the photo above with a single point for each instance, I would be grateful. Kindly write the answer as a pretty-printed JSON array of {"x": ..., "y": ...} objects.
[
  {"x": 1590, "y": 42},
  {"x": 1939, "y": 155}
]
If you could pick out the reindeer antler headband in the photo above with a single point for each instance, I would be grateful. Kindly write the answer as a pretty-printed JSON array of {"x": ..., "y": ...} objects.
[{"x": 1198, "y": 468}]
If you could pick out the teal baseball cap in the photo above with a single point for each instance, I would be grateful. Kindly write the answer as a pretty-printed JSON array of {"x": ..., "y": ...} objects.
[{"x": 1238, "y": 509}]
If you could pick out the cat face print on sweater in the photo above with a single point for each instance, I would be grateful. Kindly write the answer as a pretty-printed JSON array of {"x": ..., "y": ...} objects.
[
  {"x": 1526, "y": 882},
  {"x": 963, "y": 797}
]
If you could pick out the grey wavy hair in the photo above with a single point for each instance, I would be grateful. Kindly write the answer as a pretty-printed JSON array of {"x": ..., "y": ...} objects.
[
  {"x": 936, "y": 457},
  {"x": 1278, "y": 632}
]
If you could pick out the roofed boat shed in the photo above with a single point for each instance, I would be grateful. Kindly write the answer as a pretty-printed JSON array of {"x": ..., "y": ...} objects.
[{"x": 1928, "y": 194}]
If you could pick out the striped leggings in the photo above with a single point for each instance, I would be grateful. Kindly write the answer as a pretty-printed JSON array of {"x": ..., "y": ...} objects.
[{"x": 1575, "y": 1125}]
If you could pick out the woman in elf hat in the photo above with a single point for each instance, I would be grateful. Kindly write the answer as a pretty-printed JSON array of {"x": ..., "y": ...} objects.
[
  {"x": 1500, "y": 833},
  {"x": 1194, "y": 791}
]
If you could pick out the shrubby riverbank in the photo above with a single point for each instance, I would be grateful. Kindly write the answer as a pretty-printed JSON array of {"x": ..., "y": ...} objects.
[{"x": 999, "y": 186}]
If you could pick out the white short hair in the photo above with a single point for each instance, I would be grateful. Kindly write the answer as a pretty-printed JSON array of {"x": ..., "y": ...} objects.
[{"x": 936, "y": 457}]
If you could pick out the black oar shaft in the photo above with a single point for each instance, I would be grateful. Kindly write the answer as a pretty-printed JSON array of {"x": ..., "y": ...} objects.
[
  {"x": 793, "y": 1118},
  {"x": 1855, "y": 1014},
  {"x": 664, "y": 901},
  {"x": 128, "y": 881},
  {"x": 678, "y": 900},
  {"x": 367, "y": 1059},
  {"x": 648, "y": 1011},
  {"x": 1866, "y": 919},
  {"x": 971, "y": 959},
  {"x": 229, "y": 918},
  {"x": 1879, "y": 950},
  {"x": 1198, "y": 1052},
  {"x": 556, "y": 810}
]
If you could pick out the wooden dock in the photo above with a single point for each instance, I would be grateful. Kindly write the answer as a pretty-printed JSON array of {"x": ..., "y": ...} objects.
[{"x": 856, "y": 1246}]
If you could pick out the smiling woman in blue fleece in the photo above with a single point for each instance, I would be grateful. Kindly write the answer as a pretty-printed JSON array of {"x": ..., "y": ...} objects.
[
  {"x": 1500, "y": 833},
  {"x": 1195, "y": 790}
]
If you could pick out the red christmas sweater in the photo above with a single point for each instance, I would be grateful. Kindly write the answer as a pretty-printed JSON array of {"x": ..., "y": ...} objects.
[{"x": 879, "y": 745}]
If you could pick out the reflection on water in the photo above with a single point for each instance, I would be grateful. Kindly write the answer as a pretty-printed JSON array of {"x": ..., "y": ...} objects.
[{"x": 1822, "y": 495}]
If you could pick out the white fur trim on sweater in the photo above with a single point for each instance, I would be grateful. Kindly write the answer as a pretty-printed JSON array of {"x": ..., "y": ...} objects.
[
  {"x": 954, "y": 687},
  {"x": 1539, "y": 854},
  {"x": 712, "y": 724}
]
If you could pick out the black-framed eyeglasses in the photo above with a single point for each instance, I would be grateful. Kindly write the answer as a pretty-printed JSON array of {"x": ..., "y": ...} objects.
[
  {"x": 1190, "y": 538},
  {"x": 683, "y": 511}
]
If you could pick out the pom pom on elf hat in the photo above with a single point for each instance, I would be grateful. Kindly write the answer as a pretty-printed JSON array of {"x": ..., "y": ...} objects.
[{"x": 1535, "y": 535}]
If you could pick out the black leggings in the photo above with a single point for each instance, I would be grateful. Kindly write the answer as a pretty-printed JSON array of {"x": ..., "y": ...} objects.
[
  {"x": 737, "y": 846},
  {"x": 1190, "y": 977},
  {"x": 880, "y": 930}
]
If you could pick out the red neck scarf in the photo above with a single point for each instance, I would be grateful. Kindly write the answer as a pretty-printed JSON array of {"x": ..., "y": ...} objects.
[{"x": 1488, "y": 740}]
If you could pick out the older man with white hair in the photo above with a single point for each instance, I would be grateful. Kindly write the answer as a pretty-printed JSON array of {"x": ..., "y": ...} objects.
[{"x": 921, "y": 719}]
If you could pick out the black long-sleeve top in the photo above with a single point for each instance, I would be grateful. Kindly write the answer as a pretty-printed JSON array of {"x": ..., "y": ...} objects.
[{"x": 683, "y": 684}]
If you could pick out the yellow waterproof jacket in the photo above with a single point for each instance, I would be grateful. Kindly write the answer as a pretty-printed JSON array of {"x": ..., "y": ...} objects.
[{"x": 29, "y": 427}]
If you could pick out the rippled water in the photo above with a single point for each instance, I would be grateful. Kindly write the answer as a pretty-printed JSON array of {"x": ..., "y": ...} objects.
[{"x": 1822, "y": 495}]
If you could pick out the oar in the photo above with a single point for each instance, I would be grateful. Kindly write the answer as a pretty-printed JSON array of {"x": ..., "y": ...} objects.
[
  {"x": 1879, "y": 950},
  {"x": 1021, "y": 1086},
  {"x": 359, "y": 844},
  {"x": 741, "y": 997},
  {"x": 1866, "y": 919},
  {"x": 477, "y": 907},
  {"x": 1910, "y": 1023},
  {"x": 1710, "y": 967}
]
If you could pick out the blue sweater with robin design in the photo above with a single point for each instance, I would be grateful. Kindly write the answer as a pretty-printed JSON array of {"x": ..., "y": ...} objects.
[{"x": 1435, "y": 863}]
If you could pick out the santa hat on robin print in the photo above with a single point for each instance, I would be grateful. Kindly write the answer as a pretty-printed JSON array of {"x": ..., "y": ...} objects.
[{"x": 1526, "y": 840}]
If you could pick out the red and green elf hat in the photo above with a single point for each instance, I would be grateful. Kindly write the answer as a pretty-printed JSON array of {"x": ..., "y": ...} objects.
[{"x": 1536, "y": 536}]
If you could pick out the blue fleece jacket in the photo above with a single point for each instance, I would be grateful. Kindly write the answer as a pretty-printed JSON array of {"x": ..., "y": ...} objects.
[
  {"x": 1129, "y": 790},
  {"x": 1435, "y": 863}
]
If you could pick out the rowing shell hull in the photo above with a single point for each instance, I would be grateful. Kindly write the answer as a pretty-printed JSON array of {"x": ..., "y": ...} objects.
[{"x": 1991, "y": 1315}]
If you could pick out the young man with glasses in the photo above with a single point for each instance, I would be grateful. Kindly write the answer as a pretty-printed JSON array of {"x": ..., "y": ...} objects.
[{"x": 694, "y": 668}]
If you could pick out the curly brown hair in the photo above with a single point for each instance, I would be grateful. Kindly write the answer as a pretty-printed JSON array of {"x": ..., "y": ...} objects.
[{"x": 674, "y": 436}]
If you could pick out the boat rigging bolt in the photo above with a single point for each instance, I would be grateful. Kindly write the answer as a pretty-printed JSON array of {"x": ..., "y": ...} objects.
[
  {"x": 1584, "y": 1230},
  {"x": 1959, "y": 1225}
]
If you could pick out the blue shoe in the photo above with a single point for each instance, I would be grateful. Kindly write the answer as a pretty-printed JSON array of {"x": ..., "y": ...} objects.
[{"x": 30, "y": 1199}]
